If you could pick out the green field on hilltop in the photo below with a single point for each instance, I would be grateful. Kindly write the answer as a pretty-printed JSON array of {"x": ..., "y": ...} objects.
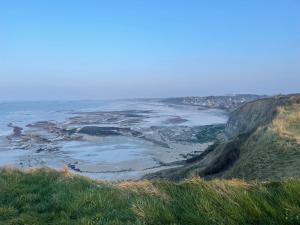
[{"x": 51, "y": 197}]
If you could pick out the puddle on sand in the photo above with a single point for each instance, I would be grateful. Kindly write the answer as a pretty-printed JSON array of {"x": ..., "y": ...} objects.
[{"x": 106, "y": 149}]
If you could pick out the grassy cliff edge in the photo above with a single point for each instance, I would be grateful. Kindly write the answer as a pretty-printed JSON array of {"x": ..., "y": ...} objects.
[
  {"x": 45, "y": 196},
  {"x": 263, "y": 143}
]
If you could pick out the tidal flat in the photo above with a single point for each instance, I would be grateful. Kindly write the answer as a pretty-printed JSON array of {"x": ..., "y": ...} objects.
[{"x": 110, "y": 140}]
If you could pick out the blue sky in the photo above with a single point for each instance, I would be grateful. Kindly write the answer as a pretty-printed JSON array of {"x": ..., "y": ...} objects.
[{"x": 113, "y": 49}]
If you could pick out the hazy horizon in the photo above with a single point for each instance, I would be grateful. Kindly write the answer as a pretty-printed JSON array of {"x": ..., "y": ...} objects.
[
  {"x": 147, "y": 49},
  {"x": 130, "y": 98}
]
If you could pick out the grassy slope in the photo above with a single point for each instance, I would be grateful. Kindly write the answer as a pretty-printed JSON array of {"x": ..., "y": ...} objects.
[
  {"x": 264, "y": 144},
  {"x": 265, "y": 155},
  {"x": 50, "y": 197},
  {"x": 272, "y": 151}
]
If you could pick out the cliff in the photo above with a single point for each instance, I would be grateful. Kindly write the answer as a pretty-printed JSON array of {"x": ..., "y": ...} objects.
[{"x": 263, "y": 142}]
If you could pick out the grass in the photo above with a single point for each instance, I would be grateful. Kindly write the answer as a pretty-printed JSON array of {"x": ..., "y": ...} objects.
[
  {"x": 272, "y": 151},
  {"x": 209, "y": 133},
  {"x": 266, "y": 155},
  {"x": 287, "y": 122},
  {"x": 50, "y": 197}
]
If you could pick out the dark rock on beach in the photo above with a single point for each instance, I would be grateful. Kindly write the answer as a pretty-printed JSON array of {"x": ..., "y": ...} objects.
[
  {"x": 107, "y": 131},
  {"x": 17, "y": 131}
]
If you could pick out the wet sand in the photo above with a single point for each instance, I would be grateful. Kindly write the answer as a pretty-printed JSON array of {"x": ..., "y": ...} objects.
[{"x": 124, "y": 144}]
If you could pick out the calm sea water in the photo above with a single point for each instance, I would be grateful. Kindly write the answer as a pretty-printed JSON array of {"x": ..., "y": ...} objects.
[{"x": 23, "y": 113}]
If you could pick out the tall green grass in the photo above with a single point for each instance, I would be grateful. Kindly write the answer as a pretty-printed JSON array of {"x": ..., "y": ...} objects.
[{"x": 50, "y": 197}]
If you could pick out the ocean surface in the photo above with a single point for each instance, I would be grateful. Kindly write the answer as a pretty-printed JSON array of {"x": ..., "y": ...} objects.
[
  {"x": 23, "y": 113},
  {"x": 113, "y": 157}
]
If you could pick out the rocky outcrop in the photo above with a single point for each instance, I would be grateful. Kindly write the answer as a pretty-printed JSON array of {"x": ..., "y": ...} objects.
[
  {"x": 17, "y": 131},
  {"x": 107, "y": 131}
]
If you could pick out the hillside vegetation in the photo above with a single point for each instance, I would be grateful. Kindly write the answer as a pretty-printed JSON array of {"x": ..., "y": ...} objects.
[
  {"x": 263, "y": 143},
  {"x": 272, "y": 151},
  {"x": 50, "y": 197}
]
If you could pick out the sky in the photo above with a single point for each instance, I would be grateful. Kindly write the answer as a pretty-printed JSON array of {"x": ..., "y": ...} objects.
[{"x": 88, "y": 49}]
